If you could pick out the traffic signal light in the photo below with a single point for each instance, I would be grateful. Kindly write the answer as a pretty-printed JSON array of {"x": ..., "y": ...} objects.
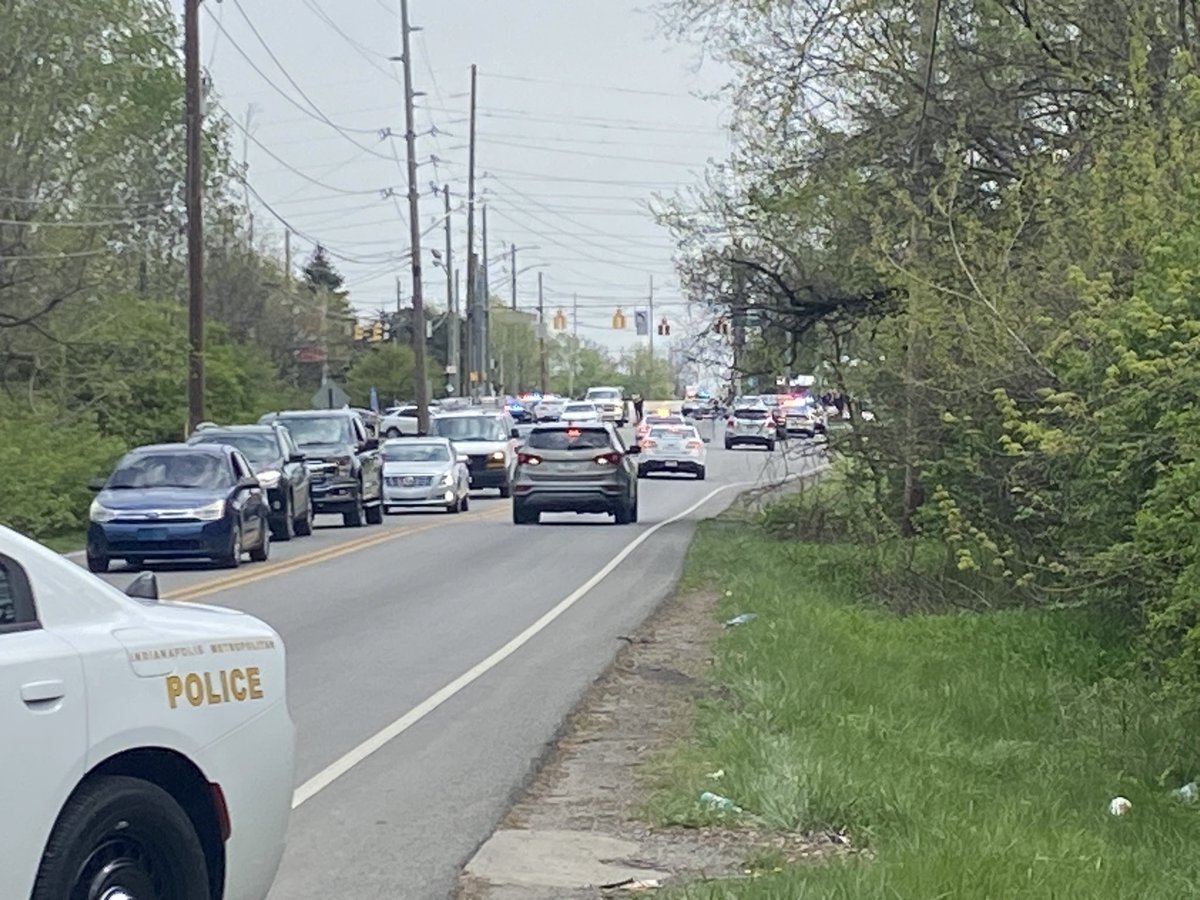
[
  {"x": 560, "y": 321},
  {"x": 357, "y": 332},
  {"x": 664, "y": 327},
  {"x": 618, "y": 320},
  {"x": 376, "y": 332}
]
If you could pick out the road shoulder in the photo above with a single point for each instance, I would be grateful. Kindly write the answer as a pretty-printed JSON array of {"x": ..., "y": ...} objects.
[{"x": 580, "y": 824}]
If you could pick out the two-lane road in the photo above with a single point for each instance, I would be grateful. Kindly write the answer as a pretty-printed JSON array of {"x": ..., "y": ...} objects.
[{"x": 432, "y": 660}]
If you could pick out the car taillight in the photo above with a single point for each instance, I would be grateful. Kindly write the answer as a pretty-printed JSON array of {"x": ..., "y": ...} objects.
[
  {"x": 695, "y": 445},
  {"x": 528, "y": 459},
  {"x": 607, "y": 459},
  {"x": 730, "y": 422},
  {"x": 649, "y": 442}
]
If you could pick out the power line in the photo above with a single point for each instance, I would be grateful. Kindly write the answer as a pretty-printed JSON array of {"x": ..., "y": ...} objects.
[
  {"x": 362, "y": 50},
  {"x": 589, "y": 154},
  {"x": 600, "y": 87}
]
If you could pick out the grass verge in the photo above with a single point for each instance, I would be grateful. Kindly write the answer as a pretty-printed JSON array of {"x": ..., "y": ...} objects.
[{"x": 974, "y": 755}]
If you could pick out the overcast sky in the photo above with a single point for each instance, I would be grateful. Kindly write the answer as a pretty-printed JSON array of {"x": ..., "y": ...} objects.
[{"x": 584, "y": 112}]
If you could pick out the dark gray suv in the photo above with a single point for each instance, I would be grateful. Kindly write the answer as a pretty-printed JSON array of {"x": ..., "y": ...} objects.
[{"x": 575, "y": 468}]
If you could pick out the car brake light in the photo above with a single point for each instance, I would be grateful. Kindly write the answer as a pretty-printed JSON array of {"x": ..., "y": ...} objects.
[
  {"x": 528, "y": 459},
  {"x": 695, "y": 445},
  {"x": 613, "y": 458},
  {"x": 649, "y": 442},
  {"x": 730, "y": 423}
]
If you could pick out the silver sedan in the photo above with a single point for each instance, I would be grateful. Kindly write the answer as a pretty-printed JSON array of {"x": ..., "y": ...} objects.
[
  {"x": 672, "y": 449},
  {"x": 424, "y": 472}
]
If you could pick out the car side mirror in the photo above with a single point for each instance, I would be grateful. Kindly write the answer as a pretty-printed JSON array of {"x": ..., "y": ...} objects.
[
  {"x": 96, "y": 484},
  {"x": 144, "y": 587},
  {"x": 248, "y": 483},
  {"x": 296, "y": 458},
  {"x": 371, "y": 444}
]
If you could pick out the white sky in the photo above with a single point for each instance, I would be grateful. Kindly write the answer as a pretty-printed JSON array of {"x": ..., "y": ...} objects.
[{"x": 584, "y": 112}]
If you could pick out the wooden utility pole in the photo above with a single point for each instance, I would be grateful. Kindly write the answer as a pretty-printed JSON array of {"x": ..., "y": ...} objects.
[
  {"x": 485, "y": 311},
  {"x": 246, "y": 170},
  {"x": 472, "y": 312},
  {"x": 574, "y": 345},
  {"x": 514, "y": 276},
  {"x": 193, "y": 103},
  {"x": 420, "y": 377},
  {"x": 287, "y": 255},
  {"x": 542, "y": 337},
  {"x": 452, "y": 338},
  {"x": 653, "y": 325}
]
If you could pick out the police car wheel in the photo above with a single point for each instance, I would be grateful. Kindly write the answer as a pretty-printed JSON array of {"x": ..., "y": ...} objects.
[{"x": 122, "y": 837}]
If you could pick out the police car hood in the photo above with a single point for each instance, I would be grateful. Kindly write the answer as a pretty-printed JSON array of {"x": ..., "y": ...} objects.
[{"x": 163, "y": 498}]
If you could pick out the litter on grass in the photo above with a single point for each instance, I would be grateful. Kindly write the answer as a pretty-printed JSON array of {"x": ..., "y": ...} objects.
[
  {"x": 1118, "y": 806},
  {"x": 633, "y": 885},
  {"x": 1189, "y": 793},
  {"x": 716, "y": 801},
  {"x": 740, "y": 620}
]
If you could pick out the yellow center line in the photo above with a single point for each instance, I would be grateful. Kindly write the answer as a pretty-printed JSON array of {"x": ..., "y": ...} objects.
[{"x": 270, "y": 570}]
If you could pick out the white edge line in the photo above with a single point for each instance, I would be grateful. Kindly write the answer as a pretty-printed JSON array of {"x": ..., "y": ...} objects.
[{"x": 380, "y": 739}]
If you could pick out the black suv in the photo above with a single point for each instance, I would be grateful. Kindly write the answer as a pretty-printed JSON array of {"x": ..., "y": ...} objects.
[
  {"x": 279, "y": 467},
  {"x": 343, "y": 462}
]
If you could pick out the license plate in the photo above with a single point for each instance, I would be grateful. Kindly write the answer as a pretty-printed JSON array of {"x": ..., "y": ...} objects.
[
  {"x": 152, "y": 534},
  {"x": 671, "y": 463}
]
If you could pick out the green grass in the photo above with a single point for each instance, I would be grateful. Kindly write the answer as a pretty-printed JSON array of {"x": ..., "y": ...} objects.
[
  {"x": 974, "y": 754},
  {"x": 67, "y": 543}
]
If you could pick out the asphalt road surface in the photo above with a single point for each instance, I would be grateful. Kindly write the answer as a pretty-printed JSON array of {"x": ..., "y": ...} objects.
[{"x": 419, "y": 717}]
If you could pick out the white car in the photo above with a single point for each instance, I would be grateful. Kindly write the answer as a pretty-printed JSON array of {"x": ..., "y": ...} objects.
[
  {"x": 581, "y": 411},
  {"x": 425, "y": 472},
  {"x": 672, "y": 449},
  {"x": 147, "y": 746},
  {"x": 399, "y": 422},
  {"x": 611, "y": 403}
]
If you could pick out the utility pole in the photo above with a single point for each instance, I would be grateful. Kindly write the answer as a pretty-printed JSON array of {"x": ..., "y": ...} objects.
[
  {"x": 542, "y": 336},
  {"x": 287, "y": 255},
  {"x": 246, "y": 169},
  {"x": 454, "y": 334},
  {"x": 653, "y": 325},
  {"x": 472, "y": 312},
  {"x": 574, "y": 344},
  {"x": 485, "y": 312},
  {"x": 514, "y": 277},
  {"x": 195, "y": 235},
  {"x": 420, "y": 378}
]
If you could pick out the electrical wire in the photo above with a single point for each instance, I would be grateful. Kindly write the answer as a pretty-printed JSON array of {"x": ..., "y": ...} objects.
[
  {"x": 600, "y": 87},
  {"x": 361, "y": 49},
  {"x": 585, "y": 153}
]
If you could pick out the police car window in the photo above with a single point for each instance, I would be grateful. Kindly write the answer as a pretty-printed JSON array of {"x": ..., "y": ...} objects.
[
  {"x": 16, "y": 602},
  {"x": 570, "y": 439}
]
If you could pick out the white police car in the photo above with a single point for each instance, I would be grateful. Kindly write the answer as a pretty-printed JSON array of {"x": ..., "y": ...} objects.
[{"x": 147, "y": 747}]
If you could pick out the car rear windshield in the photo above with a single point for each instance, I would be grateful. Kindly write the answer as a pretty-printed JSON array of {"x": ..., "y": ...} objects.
[
  {"x": 570, "y": 439},
  {"x": 310, "y": 430},
  {"x": 416, "y": 453},
  {"x": 258, "y": 448},
  {"x": 750, "y": 414},
  {"x": 681, "y": 434},
  {"x": 171, "y": 470},
  {"x": 579, "y": 408},
  {"x": 469, "y": 428}
]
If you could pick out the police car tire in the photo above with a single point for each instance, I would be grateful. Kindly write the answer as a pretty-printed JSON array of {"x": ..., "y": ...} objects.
[{"x": 134, "y": 809}]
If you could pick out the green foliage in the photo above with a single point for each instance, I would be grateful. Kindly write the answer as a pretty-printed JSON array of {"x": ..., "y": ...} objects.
[
  {"x": 974, "y": 755},
  {"x": 386, "y": 367}
]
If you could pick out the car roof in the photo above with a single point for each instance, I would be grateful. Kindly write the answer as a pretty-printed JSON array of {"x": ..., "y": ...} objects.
[
  {"x": 265, "y": 428},
  {"x": 310, "y": 414},
  {"x": 181, "y": 448},
  {"x": 418, "y": 439}
]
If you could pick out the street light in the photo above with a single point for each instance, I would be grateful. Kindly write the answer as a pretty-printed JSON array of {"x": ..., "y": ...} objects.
[{"x": 515, "y": 272}]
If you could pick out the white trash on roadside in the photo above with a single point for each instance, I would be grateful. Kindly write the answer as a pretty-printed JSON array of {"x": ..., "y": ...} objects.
[
  {"x": 1118, "y": 806},
  {"x": 1189, "y": 793},
  {"x": 716, "y": 801},
  {"x": 741, "y": 620}
]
